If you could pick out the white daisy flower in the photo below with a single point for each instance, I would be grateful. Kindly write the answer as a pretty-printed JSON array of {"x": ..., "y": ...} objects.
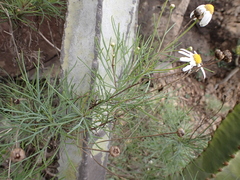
[
  {"x": 194, "y": 59},
  {"x": 203, "y": 13}
]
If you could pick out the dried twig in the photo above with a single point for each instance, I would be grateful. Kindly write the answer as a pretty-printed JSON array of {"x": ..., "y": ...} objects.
[
  {"x": 231, "y": 74},
  {"x": 51, "y": 44},
  {"x": 7, "y": 131},
  {"x": 11, "y": 31}
]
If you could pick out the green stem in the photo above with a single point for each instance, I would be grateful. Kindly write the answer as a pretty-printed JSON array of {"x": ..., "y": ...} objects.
[
  {"x": 181, "y": 35},
  {"x": 158, "y": 21},
  {"x": 166, "y": 30}
]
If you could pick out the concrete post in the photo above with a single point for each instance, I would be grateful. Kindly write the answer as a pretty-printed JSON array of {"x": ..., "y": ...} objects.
[{"x": 87, "y": 22}]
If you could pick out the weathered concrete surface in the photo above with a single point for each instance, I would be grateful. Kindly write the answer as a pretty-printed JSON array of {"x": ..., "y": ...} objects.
[
  {"x": 89, "y": 23},
  {"x": 78, "y": 48}
]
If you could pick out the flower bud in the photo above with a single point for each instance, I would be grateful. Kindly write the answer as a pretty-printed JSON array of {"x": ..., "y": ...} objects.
[
  {"x": 112, "y": 44},
  {"x": 172, "y": 6}
]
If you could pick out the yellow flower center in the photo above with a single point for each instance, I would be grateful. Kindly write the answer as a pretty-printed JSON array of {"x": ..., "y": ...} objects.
[
  {"x": 197, "y": 58},
  {"x": 209, "y": 8}
]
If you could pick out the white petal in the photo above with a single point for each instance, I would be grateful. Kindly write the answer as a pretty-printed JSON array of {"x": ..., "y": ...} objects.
[
  {"x": 202, "y": 8},
  {"x": 203, "y": 72},
  {"x": 185, "y": 59},
  {"x": 185, "y": 52},
  {"x": 187, "y": 68},
  {"x": 206, "y": 19},
  {"x": 193, "y": 63},
  {"x": 192, "y": 14},
  {"x": 195, "y": 52}
]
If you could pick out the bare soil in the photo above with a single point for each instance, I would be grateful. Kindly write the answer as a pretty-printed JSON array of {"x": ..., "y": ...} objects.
[
  {"x": 205, "y": 97},
  {"x": 221, "y": 33},
  {"x": 40, "y": 39},
  {"x": 213, "y": 97}
]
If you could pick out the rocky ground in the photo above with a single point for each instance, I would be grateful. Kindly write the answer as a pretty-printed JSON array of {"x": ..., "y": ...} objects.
[
  {"x": 215, "y": 95},
  {"x": 19, "y": 37},
  {"x": 221, "y": 33},
  {"x": 209, "y": 99}
]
